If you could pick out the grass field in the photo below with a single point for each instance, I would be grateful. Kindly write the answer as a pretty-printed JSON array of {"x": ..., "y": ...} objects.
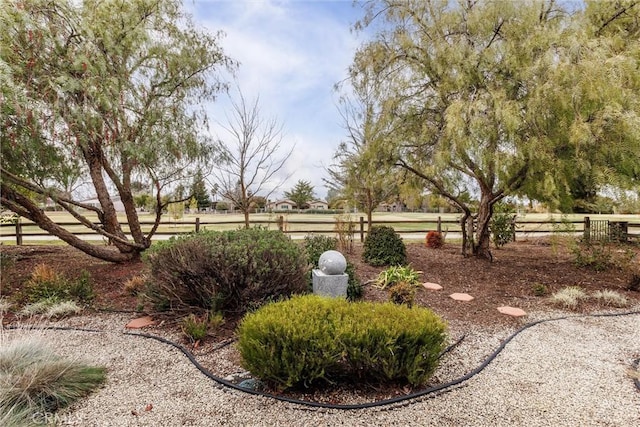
[{"x": 411, "y": 225}]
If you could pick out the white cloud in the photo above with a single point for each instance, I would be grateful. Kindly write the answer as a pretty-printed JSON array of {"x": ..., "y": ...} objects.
[{"x": 291, "y": 54}]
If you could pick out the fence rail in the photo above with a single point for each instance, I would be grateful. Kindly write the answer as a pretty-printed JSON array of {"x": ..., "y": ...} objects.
[{"x": 590, "y": 230}]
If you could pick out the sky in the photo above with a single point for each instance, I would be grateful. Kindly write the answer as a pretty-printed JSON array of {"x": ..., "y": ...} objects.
[{"x": 291, "y": 53}]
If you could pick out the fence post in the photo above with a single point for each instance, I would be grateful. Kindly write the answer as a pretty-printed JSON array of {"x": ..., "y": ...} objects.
[
  {"x": 197, "y": 224},
  {"x": 439, "y": 225},
  {"x": 587, "y": 229},
  {"x": 361, "y": 229},
  {"x": 18, "y": 232},
  {"x": 280, "y": 222}
]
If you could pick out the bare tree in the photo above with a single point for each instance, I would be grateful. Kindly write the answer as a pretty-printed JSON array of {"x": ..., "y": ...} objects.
[{"x": 249, "y": 156}]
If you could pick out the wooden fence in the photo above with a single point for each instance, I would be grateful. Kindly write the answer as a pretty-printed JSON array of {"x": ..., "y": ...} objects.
[{"x": 596, "y": 230}]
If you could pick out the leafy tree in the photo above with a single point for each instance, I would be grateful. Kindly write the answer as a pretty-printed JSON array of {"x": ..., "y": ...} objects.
[
  {"x": 500, "y": 98},
  {"x": 104, "y": 90},
  {"x": 301, "y": 194},
  {"x": 199, "y": 191},
  {"x": 359, "y": 172},
  {"x": 249, "y": 159}
]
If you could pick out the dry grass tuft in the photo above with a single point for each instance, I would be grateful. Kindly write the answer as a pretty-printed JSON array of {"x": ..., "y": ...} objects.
[
  {"x": 50, "y": 308},
  {"x": 569, "y": 297},
  {"x": 611, "y": 298}
]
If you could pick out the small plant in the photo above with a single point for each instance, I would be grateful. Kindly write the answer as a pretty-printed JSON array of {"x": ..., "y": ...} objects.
[
  {"x": 50, "y": 308},
  {"x": 47, "y": 284},
  {"x": 354, "y": 287},
  {"x": 569, "y": 297},
  {"x": 595, "y": 255},
  {"x": 539, "y": 289},
  {"x": 503, "y": 225},
  {"x": 397, "y": 274},
  {"x": 194, "y": 327},
  {"x": 316, "y": 245},
  {"x": 33, "y": 380},
  {"x": 383, "y": 246},
  {"x": 402, "y": 293},
  {"x": 5, "y": 305},
  {"x": 610, "y": 298},
  {"x": 135, "y": 285},
  {"x": 344, "y": 228},
  {"x": 434, "y": 240}
]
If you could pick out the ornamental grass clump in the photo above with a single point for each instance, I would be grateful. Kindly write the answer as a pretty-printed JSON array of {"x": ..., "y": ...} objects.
[
  {"x": 310, "y": 340},
  {"x": 610, "y": 298},
  {"x": 35, "y": 381},
  {"x": 234, "y": 270},
  {"x": 569, "y": 297}
]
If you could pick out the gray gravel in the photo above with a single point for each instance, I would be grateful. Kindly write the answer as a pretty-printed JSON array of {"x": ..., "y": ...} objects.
[{"x": 563, "y": 373}]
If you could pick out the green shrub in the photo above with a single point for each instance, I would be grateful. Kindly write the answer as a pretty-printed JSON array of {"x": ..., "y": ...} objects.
[
  {"x": 402, "y": 293},
  {"x": 383, "y": 246},
  {"x": 316, "y": 245},
  {"x": 600, "y": 256},
  {"x": 354, "y": 287},
  {"x": 229, "y": 270},
  {"x": 397, "y": 274},
  {"x": 310, "y": 339},
  {"x": 193, "y": 327},
  {"x": 33, "y": 380},
  {"x": 434, "y": 240},
  {"x": 502, "y": 225},
  {"x": 539, "y": 289},
  {"x": 47, "y": 284}
]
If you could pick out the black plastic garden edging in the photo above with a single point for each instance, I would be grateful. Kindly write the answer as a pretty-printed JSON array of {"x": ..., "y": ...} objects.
[{"x": 385, "y": 402}]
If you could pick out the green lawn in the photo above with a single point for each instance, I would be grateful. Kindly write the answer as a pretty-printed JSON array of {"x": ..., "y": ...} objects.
[{"x": 299, "y": 224}]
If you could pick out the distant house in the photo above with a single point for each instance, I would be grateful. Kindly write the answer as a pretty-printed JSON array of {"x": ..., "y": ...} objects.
[
  {"x": 318, "y": 205},
  {"x": 281, "y": 205},
  {"x": 117, "y": 203}
]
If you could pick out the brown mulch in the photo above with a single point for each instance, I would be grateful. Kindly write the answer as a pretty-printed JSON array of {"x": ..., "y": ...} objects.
[
  {"x": 511, "y": 279},
  {"x": 516, "y": 270}
]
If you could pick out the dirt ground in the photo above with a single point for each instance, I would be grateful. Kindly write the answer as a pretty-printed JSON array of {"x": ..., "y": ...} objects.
[{"x": 511, "y": 279}]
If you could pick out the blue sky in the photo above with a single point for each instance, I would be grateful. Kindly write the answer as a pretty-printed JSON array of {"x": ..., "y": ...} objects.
[{"x": 291, "y": 54}]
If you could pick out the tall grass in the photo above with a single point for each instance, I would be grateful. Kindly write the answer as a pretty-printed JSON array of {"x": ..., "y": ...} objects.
[{"x": 34, "y": 380}]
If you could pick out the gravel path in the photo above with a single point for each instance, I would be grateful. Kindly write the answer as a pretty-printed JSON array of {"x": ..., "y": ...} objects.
[{"x": 563, "y": 373}]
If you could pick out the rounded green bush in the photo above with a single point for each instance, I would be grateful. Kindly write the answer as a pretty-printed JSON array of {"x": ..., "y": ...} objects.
[
  {"x": 383, "y": 246},
  {"x": 309, "y": 339},
  {"x": 230, "y": 270}
]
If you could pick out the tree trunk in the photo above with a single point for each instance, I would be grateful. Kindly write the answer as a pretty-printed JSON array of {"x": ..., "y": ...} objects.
[
  {"x": 246, "y": 217},
  {"x": 481, "y": 246},
  {"x": 35, "y": 214}
]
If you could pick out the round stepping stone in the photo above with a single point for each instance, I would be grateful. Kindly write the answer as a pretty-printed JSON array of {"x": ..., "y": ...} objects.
[
  {"x": 140, "y": 322},
  {"x": 432, "y": 286},
  {"x": 461, "y": 297},
  {"x": 512, "y": 311}
]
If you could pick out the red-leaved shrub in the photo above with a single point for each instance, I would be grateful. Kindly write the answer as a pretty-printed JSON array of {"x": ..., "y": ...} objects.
[{"x": 434, "y": 240}]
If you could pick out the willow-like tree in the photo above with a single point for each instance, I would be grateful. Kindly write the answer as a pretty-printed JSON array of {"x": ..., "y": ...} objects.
[
  {"x": 360, "y": 175},
  {"x": 110, "y": 91},
  {"x": 496, "y": 98}
]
